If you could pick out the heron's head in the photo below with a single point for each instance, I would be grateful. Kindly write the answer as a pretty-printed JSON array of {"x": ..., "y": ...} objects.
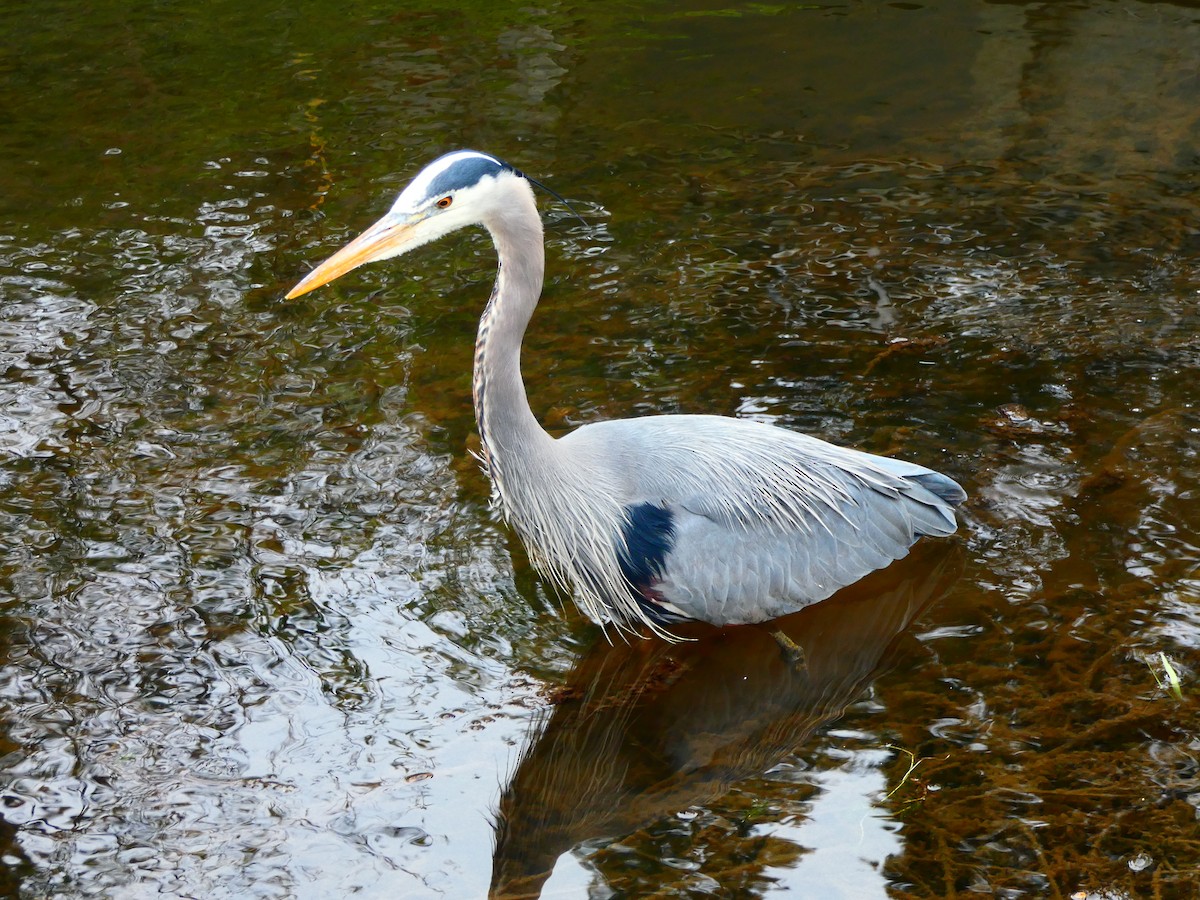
[{"x": 459, "y": 189}]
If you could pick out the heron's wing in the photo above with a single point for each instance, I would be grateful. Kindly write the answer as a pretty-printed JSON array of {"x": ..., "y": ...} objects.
[{"x": 764, "y": 521}]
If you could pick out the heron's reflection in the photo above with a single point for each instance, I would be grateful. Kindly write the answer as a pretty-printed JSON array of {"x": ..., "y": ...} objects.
[{"x": 646, "y": 729}]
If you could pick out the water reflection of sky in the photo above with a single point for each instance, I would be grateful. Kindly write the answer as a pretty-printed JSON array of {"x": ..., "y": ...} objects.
[{"x": 263, "y": 638}]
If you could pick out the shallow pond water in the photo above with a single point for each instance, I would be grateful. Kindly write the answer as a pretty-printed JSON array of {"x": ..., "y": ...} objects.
[{"x": 262, "y": 636}]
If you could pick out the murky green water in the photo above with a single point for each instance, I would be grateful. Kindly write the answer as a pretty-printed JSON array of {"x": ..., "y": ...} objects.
[{"x": 261, "y": 636}]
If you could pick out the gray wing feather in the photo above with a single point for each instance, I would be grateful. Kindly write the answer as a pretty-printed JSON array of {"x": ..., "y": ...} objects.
[{"x": 768, "y": 521}]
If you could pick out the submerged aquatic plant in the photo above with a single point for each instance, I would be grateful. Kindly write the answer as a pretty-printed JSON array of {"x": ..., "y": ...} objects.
[{"x": 1170, "y": 680}]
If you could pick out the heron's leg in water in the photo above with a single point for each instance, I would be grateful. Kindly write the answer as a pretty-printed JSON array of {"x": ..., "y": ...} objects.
[{"x": 793, "y": 653}]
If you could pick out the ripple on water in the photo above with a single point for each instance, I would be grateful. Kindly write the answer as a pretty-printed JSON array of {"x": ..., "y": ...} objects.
[{"x": 217, "y": 671}]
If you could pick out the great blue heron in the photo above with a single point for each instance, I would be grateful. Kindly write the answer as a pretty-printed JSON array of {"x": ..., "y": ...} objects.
[{"x": 663, "y": 518}]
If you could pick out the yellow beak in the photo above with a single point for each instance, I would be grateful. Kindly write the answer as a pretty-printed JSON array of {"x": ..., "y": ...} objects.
[{"x": 386, "y": 238}]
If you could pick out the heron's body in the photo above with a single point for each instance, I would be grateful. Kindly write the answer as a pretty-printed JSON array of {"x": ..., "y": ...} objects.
[{"x": 659, "y": 518}]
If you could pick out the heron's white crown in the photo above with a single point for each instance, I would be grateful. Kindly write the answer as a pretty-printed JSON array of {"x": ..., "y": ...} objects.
[{"x": 447, "y": 176}]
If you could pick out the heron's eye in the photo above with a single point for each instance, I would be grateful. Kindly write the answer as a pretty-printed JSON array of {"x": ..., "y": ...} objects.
[{"x": 444, "y": 202}]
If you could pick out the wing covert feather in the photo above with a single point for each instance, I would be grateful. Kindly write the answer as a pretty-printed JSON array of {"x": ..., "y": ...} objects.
[{"x": 767, "y": 521}]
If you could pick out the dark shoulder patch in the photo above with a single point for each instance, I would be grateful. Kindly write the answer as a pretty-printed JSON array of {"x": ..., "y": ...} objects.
[
  {"x": 649, "y": 536},
  {"x": 464, "y": 173}
]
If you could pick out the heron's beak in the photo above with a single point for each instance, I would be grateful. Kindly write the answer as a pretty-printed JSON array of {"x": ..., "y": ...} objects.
[{"x": 386, "y": 238}]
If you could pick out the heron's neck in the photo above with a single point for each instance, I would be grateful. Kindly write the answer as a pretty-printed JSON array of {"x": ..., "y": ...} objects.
[{"x": 510, "y": 434}]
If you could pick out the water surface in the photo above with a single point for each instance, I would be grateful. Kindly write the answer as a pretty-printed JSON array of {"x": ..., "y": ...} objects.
[{"x": 261, "y": 634}]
